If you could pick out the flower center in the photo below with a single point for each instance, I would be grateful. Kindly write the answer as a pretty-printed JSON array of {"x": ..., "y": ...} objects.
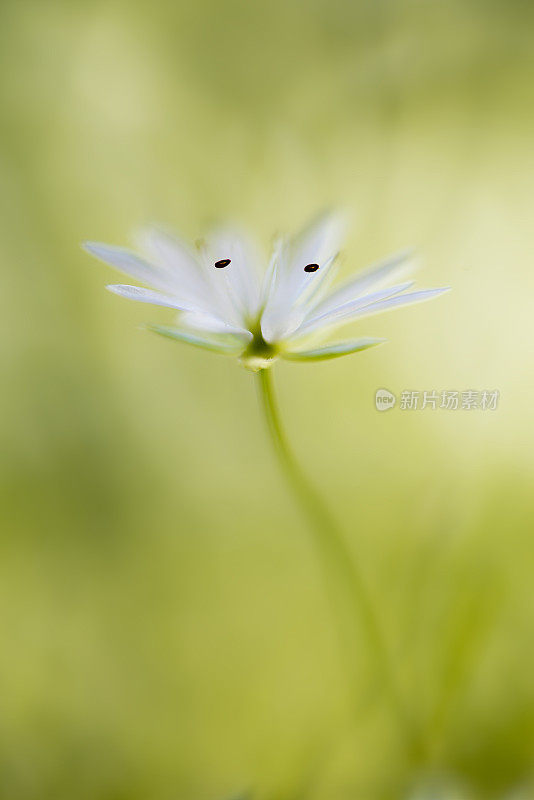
[
  {"x": 311, "y": 267},
  {"x": 259, "y": 354},
  {"x": 222, "y": 263}
]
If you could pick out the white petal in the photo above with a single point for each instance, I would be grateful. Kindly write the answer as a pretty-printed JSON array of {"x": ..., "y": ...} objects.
[
  {"x": 147, "y": 296},
  {"x": 317, "y": 244},
  {"x": 374, "y": 276},
  {"x": 283, "y": 318},
  {"x": 271, "y": 274},
  {"x": 331, "y": 350},
  {"x": 379, "y": 306},
  {"x": 319, "y": 288},
  {"x": 178, "y": 262},
  {"x": 238, "y": 284},
  {"x": 214, "y": 324},
  {"x": 196, "y": 319},
  {"x": 152, "y": 274},
  {"x": 129, "y": 263},
  {"x": 349, "y": 309},
  {"x": 170, "y": 252},
  {"x": 403, "y": 300}
]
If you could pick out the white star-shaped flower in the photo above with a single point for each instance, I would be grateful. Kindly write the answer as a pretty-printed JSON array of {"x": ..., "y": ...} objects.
[{"x": 229, "y": 303}]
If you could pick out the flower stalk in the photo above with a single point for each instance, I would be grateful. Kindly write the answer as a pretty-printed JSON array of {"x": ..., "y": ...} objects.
[{"x": 343, "y": 579}]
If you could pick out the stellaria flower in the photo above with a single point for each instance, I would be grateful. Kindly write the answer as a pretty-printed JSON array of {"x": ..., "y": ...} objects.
[{"x": 228, "y": 304}]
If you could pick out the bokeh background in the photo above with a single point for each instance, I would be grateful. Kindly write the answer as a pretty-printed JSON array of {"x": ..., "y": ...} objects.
[{"x": 165, "y": 632}]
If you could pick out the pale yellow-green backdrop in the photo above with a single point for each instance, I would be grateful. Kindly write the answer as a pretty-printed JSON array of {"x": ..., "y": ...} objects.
[{"x": 164, "y": 629}]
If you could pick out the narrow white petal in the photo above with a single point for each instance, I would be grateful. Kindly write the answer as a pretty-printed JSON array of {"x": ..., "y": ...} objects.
[
  {"x": 318, "y": 244},
  {"x": 214, "y": 324},
  {"x": 237, "y": 284},
  {"x": 281, "y": 319},
  {"x": 376, "y": 307},
  {"x": 374, "y": 276},
  {"x": 271, "y": 274},
  {"x": 349, "y": 309},
  {"x": 167, "y": 250},
  {"x": 310, "y": 283},
  {"x": 319, "y": 288},
  {"x": 129, "y": 263},
  {"x": 331, "y": 350},
  {"x": 178, "y": 262},
  {"x": 403, "y": 300},
  {"x": 196, "y": 319},
  {"x": 147, "y": 296},
  {"x": 319, "y": 241},
  {"x": 154, "y": 274}
]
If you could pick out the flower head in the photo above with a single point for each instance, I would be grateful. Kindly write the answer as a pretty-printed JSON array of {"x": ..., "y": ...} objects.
[{"x": 229, "y": 304}]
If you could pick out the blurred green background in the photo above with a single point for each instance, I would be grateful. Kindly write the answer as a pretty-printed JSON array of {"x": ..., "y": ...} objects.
[{"x": 165, "y": 633}]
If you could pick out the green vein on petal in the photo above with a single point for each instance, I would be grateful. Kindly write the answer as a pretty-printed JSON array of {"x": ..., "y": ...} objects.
[
  {"x": 229, "y": 347},
  {"x": 332, "y": 350}
]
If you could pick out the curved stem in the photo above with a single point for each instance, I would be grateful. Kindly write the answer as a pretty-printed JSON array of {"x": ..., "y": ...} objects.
[{"x": 342, "y": 575}]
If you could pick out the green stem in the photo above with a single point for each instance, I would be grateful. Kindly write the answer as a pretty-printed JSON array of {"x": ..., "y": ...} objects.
[{"x": 341, "y": 572}]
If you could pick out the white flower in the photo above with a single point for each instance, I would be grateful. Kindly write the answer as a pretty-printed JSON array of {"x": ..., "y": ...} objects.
[{"x": 228, "y": 304}]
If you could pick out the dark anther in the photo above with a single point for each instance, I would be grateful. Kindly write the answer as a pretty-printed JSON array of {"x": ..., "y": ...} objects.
[
  {"x": 311, "y": 268},
  {"x": 222, "y": 263}
]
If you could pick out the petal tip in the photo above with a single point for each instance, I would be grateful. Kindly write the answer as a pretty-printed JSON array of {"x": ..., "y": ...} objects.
[
  {"x": 440, "y": 290},
  {"x": 116, "y": 288}
]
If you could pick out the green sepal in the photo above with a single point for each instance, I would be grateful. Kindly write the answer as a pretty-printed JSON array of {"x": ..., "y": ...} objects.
[
  {"x": 226, "y": 344},
  {"x": 331, "y": 350}
]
